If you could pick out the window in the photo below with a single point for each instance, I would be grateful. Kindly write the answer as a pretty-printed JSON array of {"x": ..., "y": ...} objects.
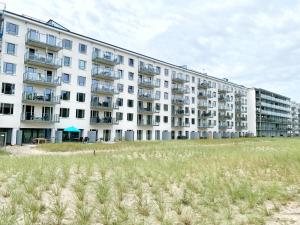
[
  {"x": 166, "y": 119},
  {"x": 67, "y": 61},
  {"x": 67, "y": 44},
  {"x": 9, "y": 68},
  {"x": 157, "y": 119},
  {"x": 130, "y": 76},
  {"x": 10, "y": 48},
  {"x": 65, "y": 95},
  {"x": 7, "y": 109},
  {"x": 193, "y": 79},
  {"x": 119, "y": 116},
  {"x": 12, "y": 28},
  {"x": 158, "y": 70},
  {"x": 82, "y": 48},
  {"x": 193, "y": 100},
  {"x": 193, "y": 121},
  {"x": 120, "y": 88},
  {"x": 66, "y": 78},
  {"x": 129, "y": 116},
  {"x": 130, "y": 62},
  {"x": 166, "y": 72},
  {"x": 193, "y": 90},
  {"x": 130, "y": 89},
  {"x": 130, "y": 103},
  {"x": 80, "y": 113},
  {"x": 8, "y": 88},
  {"x": 157, "y": 94},
  {"x": 120, "y": 59},
  {"x": 64, "y": 112},
  {"x": 157, "y": 106},
  {"x": 119, "y": 101},
  {"x": 82, "y": 64},
  {"x": 121, "y": 73},
  {"x": 80, "y": 97},
  {"x": 166, "y": 84},
  {"x": 81, "y": 80},
  {"x": 166, "y": 107},
  {"x": 166, "y": 95}
]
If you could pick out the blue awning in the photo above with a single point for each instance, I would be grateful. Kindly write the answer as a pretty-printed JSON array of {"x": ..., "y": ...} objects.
[{"x": 71, "y": 129}]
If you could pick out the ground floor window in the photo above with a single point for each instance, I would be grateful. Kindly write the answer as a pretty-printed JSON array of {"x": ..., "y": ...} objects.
[
  {"x": 8, "y": 133},
  {"x": 140, "y": 135},
  {"x": 28, "y": 134},
  {"x": 149, "y": 135},
  {"x": 157, "y": 135}
]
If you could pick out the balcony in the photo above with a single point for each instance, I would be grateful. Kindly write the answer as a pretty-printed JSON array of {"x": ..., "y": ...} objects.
[
  {"x": 179, "y": 78},
  {"x": 45, "y": 41},
  {"x": 225, "y": 117},
  {"x": 42, "y": 60},
  {"x": 223, "y": 108},
  {"x": 44, "y": 118},
  {"x": 148, "y": 83},
  {"x": 109, "y": 106},
  {"x": 147, "y": 96},
  {"x": 148, "y": 70},
  {"x": 104, "y": 121},
  {"x": 176, "y": 89},
  {"x": 202, "y": 95},
  {"x": 224, "y": 126},
  {"x": 180, "y": 124},
  {"x": 223, "y": 91},
  {"x": 146, "y": 110},
  {"x": 204, "y": 126},
  {"x": 104, "y": 89},
  {"x": 147, "y": 123},
  {"x": 202, "y": 105},
  {"x": 205, "y": 115},
  {"x": 203, "y": 86},
  {"x": 223, "y": 99},
  {"x": 180, "y": 101},
  {"x": 241, "y": 127},
  {"x": 105, "y": 73},
  {"x": 240, "y": 94},
  {"x": 180, "y": 113},
  {"x": 241, "y": 118},
  {"x": 34, "y": 98},
  {"x": 41, "y": 79},
  {"x": 240, "y": 110},
  {"x": 107, "y": 58}
]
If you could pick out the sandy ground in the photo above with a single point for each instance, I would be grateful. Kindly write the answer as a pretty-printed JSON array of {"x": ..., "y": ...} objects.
[{"x": 287, "y": 215}]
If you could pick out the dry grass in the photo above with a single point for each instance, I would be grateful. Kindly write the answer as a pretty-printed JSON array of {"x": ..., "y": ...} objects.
[{"x": 240, "y": 181}]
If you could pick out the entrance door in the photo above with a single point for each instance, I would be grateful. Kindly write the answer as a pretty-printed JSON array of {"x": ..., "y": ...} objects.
[
  {"x": 2, "y": 139},
  {"x": 49, "y": 75},
  {"x": 47, "y": 113},
  {"x": 106, "y": 135},
  {"x": 29, "y": 112}
]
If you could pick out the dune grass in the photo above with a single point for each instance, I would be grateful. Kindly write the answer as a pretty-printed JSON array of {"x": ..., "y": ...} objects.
[{"x": 178, "y": 182}]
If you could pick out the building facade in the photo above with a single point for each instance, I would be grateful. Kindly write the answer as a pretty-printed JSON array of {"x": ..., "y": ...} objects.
[
  {"x": 270, "y": 113},
  {"x": 52, "y": 78},
  {"x": 295, "y": 113}
]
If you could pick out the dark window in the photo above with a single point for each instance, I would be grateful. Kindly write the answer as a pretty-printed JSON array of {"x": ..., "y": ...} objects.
[
  {"x": 120, "y": 88},
  {"x": 65, "y": 95},
  {"x": 130, "y": 89},
  {"x": 82, "y": 48},
  {"x": 66, "y": 78},
  {"x": 8, "y": 88},
  {"x": 80, "y": 97},
  {"x": 7, "y": 109},
  {"x": 130, "y": 116},
  {"x": 80, "y": 113},
  {"x": 67, "y": 61},
  {"x": 119, "y": 101},
  {"x": 119, "y": 116},
  {"x": 130, "y": 76},
  {"x": 130, "y": 103},
  {"x": 166, "y": 107},
  {"x": 131, "y": 62},
  {"x": 165, "y": 119},
  {"x": 64, "y": 112}
]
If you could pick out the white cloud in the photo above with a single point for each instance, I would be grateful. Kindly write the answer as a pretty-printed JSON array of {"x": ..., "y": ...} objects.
[{"x": 250, "y": 42}]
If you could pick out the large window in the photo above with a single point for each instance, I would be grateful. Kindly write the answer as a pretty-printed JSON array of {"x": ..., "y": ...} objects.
[
  {"x": 67, "y": 44},
  {"x": 9, "y": 68},
  {"x": 119, "y": 116},
  {"x": 80, "y": 97},
  {"x": 10, "y": 48},
  {"x": 130, "y": 103},
  {"x": 81, "y": 80},
  {"x": 80, "y": 113},
  {"x": 119, "y": 102},
  {"x": 129, "y": 116},
  {"x": 8, "y": 88},
  {"x": 82, "y": 64},
  {"x": 65, "y": 95},
  {"x": 130, "y": 62},
  {"x": 12, "y": 28},
  {"x": 66, "y": 78},
  {"x": 82, "y": 48},
  {"x": 67, "y": 61},
  {"x": 7, "y": 109},
  {"x": 64, "y": 112}
]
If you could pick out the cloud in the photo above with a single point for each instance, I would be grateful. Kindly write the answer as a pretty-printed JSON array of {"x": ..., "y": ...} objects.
[{"x": 251, "y": 42}]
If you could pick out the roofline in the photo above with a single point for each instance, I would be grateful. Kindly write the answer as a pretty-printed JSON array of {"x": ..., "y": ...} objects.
[
  {"x": 261, "y": 89},
  {"x": 122, "y": 49}
]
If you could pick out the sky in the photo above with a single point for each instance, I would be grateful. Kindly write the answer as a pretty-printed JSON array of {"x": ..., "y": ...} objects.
[{"x": 250, "y": 42}]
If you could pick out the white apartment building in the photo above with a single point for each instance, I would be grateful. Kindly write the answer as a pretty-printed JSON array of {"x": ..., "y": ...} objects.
[
  {"x": 52, "y": 79},
  {"x": 295, "y": 111}
]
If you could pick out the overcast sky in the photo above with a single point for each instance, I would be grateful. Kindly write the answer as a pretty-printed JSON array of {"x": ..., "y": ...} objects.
[{"x": 251, "y": 42}]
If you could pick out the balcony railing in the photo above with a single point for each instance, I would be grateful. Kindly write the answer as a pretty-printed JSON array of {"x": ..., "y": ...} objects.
[
  {"x": 147, "y": 95},
  {"x": 105, "y": 73},
  {"x": 180, "y": 90},
  {"x": 223, "y": 108},
  {"x": 240, "y": 110},
  {"x": 43, "y": 41},
  {"x": 180, "y": 101},
  {"x": 205, "y": 115},
  {"x": 107, "y": 58},
  {"x": 179, "y": 78},
  {"x": 148, "y": 70},
  {"x": 148, "y": 83},
  {"x": 43, "y": 60},
  {"x": 180, "y": 124},
  {"x": 147, "y": 123},
  {"x": 204, "y": 125},
  {"x": 44, "y": 118},
  {"x": 180, "y": 112},
  {"x": 202, "y": 105},
  {"x": 241, "y": 118},
  {"x": 40, "y": 99},
  {"x": 104, "y": 121},
  {"x": 104, "y": 89},
  {"x": 203, "y": 86},
  {"x": 103, "y": 105},
  {"x": 202, "y": 95},
  {"x": 146, "y": 110},
  {"x": 41, "y": 79},
  {"x": 225, "y": 117},
  {"x": 241, "y": 127},
  {"x": 224, "y": 126}
]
